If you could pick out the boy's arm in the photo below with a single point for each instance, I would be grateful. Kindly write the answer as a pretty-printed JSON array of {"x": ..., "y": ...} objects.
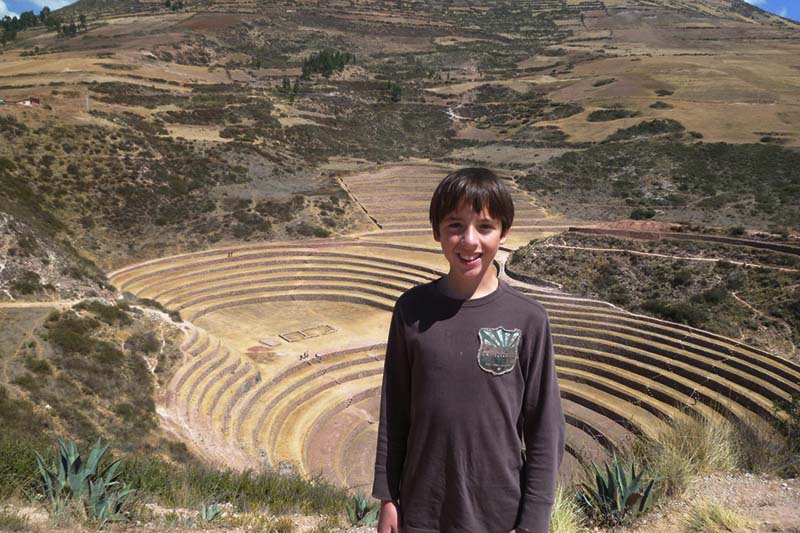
[
  {"x": 544, "y": 431},
  {"x": 395, "y": 414}
]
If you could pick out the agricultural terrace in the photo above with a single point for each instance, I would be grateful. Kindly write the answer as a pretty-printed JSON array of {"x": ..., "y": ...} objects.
[
  {"x": 284, "y": 352},
  {"x": 231, "y": 161}
]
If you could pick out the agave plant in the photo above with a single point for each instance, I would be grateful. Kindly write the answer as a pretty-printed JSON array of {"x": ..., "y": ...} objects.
[
  {"x": 617, "y": 495},
  {"x": 94, "y": 493},
  {"x": 209, "y": 513},
  {"x": 362, "y": 513}
]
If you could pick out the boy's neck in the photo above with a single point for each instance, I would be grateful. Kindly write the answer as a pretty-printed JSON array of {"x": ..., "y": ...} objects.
[{"x": 461, "y": 289}]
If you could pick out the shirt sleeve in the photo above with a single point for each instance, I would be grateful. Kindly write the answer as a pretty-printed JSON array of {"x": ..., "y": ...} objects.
[
  {"x": 395, "y": 414},
  {"x": 544, "y": 431}
]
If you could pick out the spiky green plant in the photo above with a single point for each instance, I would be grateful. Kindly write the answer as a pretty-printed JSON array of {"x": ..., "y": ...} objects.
[
  {"x": 361, "y": 512},
  {"x": 617, "y": 495},
  {"x": 209, "y": 513},
  {"x": 85, "y": 488}
]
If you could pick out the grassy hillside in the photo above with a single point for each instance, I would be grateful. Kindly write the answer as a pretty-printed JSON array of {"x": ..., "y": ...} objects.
[{"x": 746, "y": 294}]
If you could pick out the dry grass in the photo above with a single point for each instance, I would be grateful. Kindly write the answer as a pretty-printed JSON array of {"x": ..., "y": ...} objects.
[
  {"x": 11, "y": 520},
  {"x": 710, "y": 517},
  {"x": 689, "y": 447},
  {"x": 566, "y": 516}
]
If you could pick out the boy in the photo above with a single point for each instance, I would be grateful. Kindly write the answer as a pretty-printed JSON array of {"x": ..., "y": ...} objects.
[{"x": 469, "y": 374}]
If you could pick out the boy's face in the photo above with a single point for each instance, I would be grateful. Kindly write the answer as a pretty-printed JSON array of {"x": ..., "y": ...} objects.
[{"x": 470, "y": 241}]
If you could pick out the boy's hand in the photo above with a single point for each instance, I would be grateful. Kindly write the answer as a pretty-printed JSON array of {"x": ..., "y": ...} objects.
[{"x": 389, "y": 520}]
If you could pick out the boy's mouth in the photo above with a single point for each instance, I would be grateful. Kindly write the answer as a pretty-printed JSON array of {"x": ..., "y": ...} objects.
[{"x": 469, "y": 259}]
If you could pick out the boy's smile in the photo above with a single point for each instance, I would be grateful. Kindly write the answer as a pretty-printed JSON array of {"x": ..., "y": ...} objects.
[{"x": 470, "y": 241}]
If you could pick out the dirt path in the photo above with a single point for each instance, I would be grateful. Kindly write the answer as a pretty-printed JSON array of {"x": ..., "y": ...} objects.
[
  {"x": 60, "y": 304},
  {"x": 653, "y": 254}
]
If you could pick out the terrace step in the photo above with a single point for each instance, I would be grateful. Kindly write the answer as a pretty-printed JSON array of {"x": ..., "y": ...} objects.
[
  {"x": 730, "y": 368},
  {"x": 170, "y": 289},
  {"x": 634, "y": 419},
  {"x": 128, "y": 276},
  {"x": 312, "y": 388},
  {"x": 736, "y": 393},
  {"x": 350, "y": 294},
  {"x": 751, "y": 365},
  {"x": 290, "y": 378},
  {"x": 293, "y": 431},
  {"x": 158, "y": 287},
  {"x": 297, "y": 281}
]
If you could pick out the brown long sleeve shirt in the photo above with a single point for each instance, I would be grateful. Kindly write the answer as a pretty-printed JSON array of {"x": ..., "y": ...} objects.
[{"x": 467, "y": 385}]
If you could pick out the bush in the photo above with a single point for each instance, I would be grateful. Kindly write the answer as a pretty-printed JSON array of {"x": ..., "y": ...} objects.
[
  {"x": 143, "y": 342},
  {"x": 27, "y": 282},
  {"x": 326, "y": 62},
  {"x": 603, "y": 81},
  {"x": 615, "y": 497},
  {"x": 653, "y": 127},
  {"x": 708, "y": 517},
  {"x": 72, "y": 334},
  {"x": 18, "y": 467},
  {"x": 605, "y": 115},
  {"x": 682, "y": 312},
  {"x": 688, "y": 447},
  {"x": 110, "y": 314},
  {"x": 566, "y": 516},
  {"x": 642, "y": 213},
  {"x": 38, "y": 366},
  {"x": 83, "y": 488},
  {"x": 361, "y": 512}
]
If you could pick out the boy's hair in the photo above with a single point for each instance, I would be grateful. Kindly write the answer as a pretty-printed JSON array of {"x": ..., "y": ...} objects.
[{"x": 477, "y": 186}]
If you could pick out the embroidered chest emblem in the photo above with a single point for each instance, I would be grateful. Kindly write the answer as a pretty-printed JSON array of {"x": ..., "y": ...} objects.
[{"x": 499, "y": 350}]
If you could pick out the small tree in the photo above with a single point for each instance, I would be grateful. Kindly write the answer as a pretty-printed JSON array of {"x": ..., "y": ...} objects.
[{"x": 395, "y": 91}]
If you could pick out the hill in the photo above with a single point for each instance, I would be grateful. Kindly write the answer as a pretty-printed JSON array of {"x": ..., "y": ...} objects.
[{"x": 261, "y": 170}]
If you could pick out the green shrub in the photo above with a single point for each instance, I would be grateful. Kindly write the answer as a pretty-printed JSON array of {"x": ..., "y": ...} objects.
[
  {"x": 143, "y": 342},
  {"x": 110, "y": 314},
  {"x": 616, "y": 496},
  {"x": 87, "y": 489},
  {"x": 361, "y": 512},
  {"x": 642, "y": 213},
  {"x": 605, "y": 115},
  {"x": 648, "y": 128},
  {"x": 27, "y": 282},
  {"x": 18, "y": 466},
  {"x": 72, "y": 334},
  {"x": 682, "y": 312},
  {"x": 209, "y": 513},
  {"x": 326, "y": 62},
  {"x": 603, "y": 81}
]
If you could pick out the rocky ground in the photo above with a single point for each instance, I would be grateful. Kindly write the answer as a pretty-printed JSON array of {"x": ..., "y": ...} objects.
[{"x": 770, "y": 504}]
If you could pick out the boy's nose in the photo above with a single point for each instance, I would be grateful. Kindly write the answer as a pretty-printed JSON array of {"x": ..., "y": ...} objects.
[{"x": 469, "y": 236}]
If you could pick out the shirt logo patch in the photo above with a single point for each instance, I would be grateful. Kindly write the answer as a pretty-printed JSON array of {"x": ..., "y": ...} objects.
[{"x": 499, "y": 350}]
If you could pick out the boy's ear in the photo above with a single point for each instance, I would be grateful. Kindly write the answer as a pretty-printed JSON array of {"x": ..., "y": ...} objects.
[
  {"x": 504, "y": 236},
  {"x": 436, "y": 235}
]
